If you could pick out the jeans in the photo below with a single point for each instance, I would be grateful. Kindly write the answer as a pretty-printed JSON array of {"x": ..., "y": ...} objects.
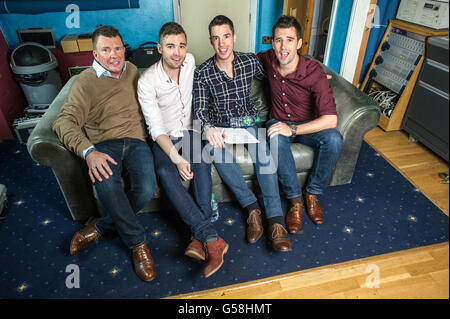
[
  {"x": 328, "y": 143},
  {"x": 196, "y": 211},
  {"x": 135, "y": 160},
  {"x": 266, "y": 173}
]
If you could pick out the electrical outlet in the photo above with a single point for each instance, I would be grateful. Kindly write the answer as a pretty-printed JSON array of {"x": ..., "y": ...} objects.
[{"x": 267, "y": 40}]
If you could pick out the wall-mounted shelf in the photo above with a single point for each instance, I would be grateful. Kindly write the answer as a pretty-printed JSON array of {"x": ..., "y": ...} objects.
[{"x": 402, "y": 86}]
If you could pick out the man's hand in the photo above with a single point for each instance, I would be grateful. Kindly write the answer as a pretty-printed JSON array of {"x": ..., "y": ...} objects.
[
  {"x": 279, "y": 128},
  {"x": 97, "y": 163},
  {"x": 183, "y": 166},
  {"x": 215, "y": 137},
  {"x": 184, "y": 169}
]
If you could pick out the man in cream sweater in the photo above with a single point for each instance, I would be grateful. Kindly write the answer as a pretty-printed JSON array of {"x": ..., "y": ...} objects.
[{"x": 101, "y": 122}]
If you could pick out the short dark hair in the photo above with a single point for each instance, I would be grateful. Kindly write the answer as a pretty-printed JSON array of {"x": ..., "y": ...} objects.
[
  {"x": 107, "y": 31},
  {"x": 221, "y": 20},
  {"x": 285, "y": 22},
  {"x": 170, "y": 28}
]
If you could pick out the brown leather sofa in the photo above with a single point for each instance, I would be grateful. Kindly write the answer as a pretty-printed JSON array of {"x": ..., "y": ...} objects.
[{"x": 357, "y": 114}]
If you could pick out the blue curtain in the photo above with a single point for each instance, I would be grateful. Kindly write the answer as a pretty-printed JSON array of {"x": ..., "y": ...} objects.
[
  {"x": 386, "y": 10},
  {"x": 42, "y": 6}
]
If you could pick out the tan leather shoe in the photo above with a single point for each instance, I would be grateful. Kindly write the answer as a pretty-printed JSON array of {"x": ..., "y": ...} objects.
[
  {"x": 143, "y": 263},
  {"x": 254, "y": 228},
  {"x": 214, "y": 255},
  {"x": 313, "y": 209},
  {"x": 195, "y": 250},
  {"x": 294, "y": 218},
  {"x": 279, "y": 237},
  {"x": 84, "y": 237}
]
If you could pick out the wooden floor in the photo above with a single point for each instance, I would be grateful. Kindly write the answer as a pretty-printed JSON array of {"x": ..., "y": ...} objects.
[{"x": 411, "y": 274}]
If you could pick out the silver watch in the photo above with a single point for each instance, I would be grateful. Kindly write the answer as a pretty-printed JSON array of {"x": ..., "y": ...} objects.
[{"x": 293, "y": 128}]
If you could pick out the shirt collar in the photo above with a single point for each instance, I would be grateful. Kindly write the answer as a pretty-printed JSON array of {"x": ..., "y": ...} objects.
[
  {"x": 235, "y": 60},
  {"x": 301, "y": 67},
  {"x": 100, "y": 70},
  {"x": 163, "y": 72}
]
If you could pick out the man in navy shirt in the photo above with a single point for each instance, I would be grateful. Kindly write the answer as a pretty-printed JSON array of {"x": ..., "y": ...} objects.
[
  {"x": 222, "y": 87},
  {"x": 303, "y": 111}
]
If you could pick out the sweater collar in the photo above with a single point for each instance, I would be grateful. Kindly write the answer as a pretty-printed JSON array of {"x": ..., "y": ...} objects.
[{"x": 101, "y": 71}]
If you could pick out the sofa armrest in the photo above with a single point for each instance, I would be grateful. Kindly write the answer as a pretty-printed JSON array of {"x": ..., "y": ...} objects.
[
  {"x": 43, "y": 144},
  {"x": 46, "y": 149},
  {"x": 357, "y": 114}
]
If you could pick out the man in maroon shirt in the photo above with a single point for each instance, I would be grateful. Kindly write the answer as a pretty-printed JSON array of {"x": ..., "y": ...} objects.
[{"x": 303, "y": 111}]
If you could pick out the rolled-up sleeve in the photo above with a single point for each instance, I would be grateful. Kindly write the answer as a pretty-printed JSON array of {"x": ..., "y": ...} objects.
[{"x": 322, "y": 93}]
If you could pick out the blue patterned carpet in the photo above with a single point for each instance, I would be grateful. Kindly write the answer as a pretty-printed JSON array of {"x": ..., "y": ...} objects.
[{"x": 379, "y": 212}]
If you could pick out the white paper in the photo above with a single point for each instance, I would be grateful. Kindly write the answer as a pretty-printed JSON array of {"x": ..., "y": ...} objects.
[{"x": 237, "y": 135}]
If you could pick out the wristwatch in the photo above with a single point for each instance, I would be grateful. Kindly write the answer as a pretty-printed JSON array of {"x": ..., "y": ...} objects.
[{"x": 293, "y": 128}]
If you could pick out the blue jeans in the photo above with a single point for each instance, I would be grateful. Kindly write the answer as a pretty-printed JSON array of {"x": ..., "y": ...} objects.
[
  {"x": 266, "y": 173},
  {"x": 135, "y": 161},
  {"x": 328, "y": 144},
  {"x": 196, "y": 212}
]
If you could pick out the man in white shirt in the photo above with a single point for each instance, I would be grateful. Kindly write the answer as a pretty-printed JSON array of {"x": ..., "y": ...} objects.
[{"x": 165, "y": 95}]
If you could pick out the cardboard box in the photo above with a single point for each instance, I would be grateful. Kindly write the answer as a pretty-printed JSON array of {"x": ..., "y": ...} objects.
[
  {"x": 85, "y": 42},
  {"x": 69, "y": 43}
]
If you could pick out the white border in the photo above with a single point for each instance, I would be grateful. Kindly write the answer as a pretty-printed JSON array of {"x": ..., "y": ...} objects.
[
  {"x": 330, "y": 32},
  {"x": 176, "y": 11},
  {"x": 253, "y": 19},
  {"x": 354, "y": 37}
]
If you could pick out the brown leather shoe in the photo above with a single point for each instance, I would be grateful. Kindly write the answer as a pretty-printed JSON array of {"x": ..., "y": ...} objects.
[
  {"x": 279, "y": 237},
  {"x": 214, "y": 255},
  {"x": 254, "y": 228},
  {"x": 195, "y": 250},
  {"x": 313, "y": 209},
  {"x": 294, "y": 218},
  {"x": 84, "y": 237},
  {"x": 143, "y": 263}
]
